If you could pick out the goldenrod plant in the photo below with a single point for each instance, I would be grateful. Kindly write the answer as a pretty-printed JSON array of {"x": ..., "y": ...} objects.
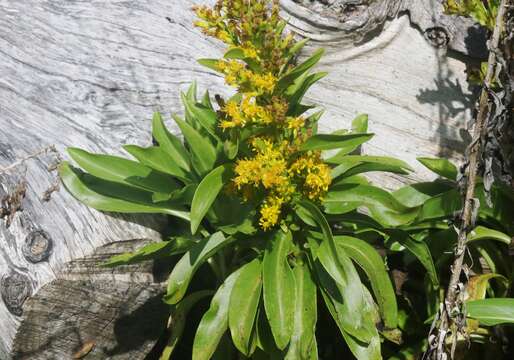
[{"x": 277, "y": 218}]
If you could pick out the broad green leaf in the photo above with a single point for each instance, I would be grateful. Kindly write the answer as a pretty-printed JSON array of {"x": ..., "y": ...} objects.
[
  {"x": 491, "y": 312},
  {"x": 123, "y": 171},
  {"x": 244, "y": 302},
  {"x": 171, "y": 144},
  {"x": 157, "y": 158},
  {"x": 305, "y": 315},
  {"x": 182, "y": 196},
  {"x": 279, "y": 287},
  {"x": 152, "y": 251},
  {"x": 186, "y": 267},
  {"x": 234, "y": 53},
  {"x": 355, "y": 314},
  {"x": 265, "y": 340},
  {"x": 205, "y": 116},
  {"x": 210, "y": 63},
  {"x": 364, "y": 194},
  {"x": 206, "y": 100},
  {"x": 441, "y": 206},
  {"x": 416, "y": 194},
  {"x": 350, "y": 165},
  {"x": 206, "y": 193},
  {"x": 483, "y": 233},
  {"x": 214, "y": 322},
  {"x": 298, "y": 71},
  {"x": 373, "y": 265},
  {"x": 203, "y": 152},
  {"x": 179, "y": 320},
  {"x": 109, "y": 196},
  {"x": 192, "y": 91},
  {"x": 331, "y": 141},
  {"x": 349, "y": 146},
  {"x": 420, "y": 250},
  {"x": 296, "y": 97},
  {"x": 441, "y": 167},
  {"x": 363, "y": 350},
  {"x": 360, "y": 124},
  {"x": 383, "y": 206}
]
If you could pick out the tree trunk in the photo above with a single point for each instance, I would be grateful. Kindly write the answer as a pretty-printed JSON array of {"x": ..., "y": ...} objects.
[{"x": 90, "y": 74}]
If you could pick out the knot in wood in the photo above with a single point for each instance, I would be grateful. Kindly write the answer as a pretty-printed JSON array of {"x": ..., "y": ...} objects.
[
  {"x": 336, "y": 9},
  {"x": 15, "y": 289},
  {"x": 437, "y": 36},
  {"x": 37, "y": 246}
]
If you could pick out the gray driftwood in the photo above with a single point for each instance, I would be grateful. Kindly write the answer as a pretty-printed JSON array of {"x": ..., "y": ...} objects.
[{"x": 90, "y": 74}]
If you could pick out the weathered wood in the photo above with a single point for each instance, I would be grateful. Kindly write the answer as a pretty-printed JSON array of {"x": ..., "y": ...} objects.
[{"x": 91, "y": 73}]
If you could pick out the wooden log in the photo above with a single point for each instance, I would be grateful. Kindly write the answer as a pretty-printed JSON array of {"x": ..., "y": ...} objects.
[{"x": 90, "y": 74}]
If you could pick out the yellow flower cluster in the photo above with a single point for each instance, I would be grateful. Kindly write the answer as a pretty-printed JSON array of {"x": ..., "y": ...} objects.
[
  {"x": 270, "y": 172},
  {"x": 316, "y": 174},
  {"x": 274, "y": 173},
  {"x": 247, "y": 81},
  {"x": 247, "y": 112}
]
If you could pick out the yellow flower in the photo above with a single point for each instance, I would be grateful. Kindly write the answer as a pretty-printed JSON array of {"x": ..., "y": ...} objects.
[
  {"x": 295, "y": 123},
  {"x": 270, "y": 213},
  {"x": 249, "y": 50},
  {"x": 263, "y": 83}
]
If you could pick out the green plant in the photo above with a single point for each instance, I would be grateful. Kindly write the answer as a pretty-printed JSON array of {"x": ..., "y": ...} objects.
[{"x": 280, "y": 219}]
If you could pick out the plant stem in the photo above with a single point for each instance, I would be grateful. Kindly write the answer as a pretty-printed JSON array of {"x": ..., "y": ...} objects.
[{"x": 451, "y": 300}]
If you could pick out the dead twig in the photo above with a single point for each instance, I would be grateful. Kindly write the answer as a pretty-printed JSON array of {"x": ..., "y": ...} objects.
[{"x": 451, "y": 317}]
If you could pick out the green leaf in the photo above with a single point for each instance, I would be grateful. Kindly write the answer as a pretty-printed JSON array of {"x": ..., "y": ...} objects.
[
  {"x": 331, "y": 141},
  {"x": 244, "y": 302},
  {"x": 299, "y": 91},
  {"x": 210, "y": 63},
  {"x": 491, "y": 312},
  {"x": 279, "y": 287},
  {"x": 157, "y": 158},
  {"x": 151, "y": 252},
  {"x": 186, "y": 267},
  {"x": 203, "y": 152},
  {"x": 350, "y": 165},
  {"x": 355, "y": 314},
  {"x": 365, "y": 351},
  {"x": 214, "y": 322},
  {"x": 483, "y": 233},
  {"x": 305, "y": 315},
  {"x": 441, "y": 206},
  {"x": 109, "y": 196},
  {"x": 205, "y": 116},
  {"x": 373, "y": 265},
  {"x": 360, "y": 123},
  {"x": 206, "y": 193},
  {"x": 297, "y": 47},
  {"x": 171, "y": 144},
  {"x": 349, "y": 146},
  {"x": 441, "y": 167},
  {"x": 362, "y": 350},
  {"x": 416, "y": 194},
  {"x": 298, "y": 71},
  {"x": 420, "y": 250},
  {"x": 382, "y": 205},
  {"x": 123, "y": 171},
  {"x": 179, "y": 319}
]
